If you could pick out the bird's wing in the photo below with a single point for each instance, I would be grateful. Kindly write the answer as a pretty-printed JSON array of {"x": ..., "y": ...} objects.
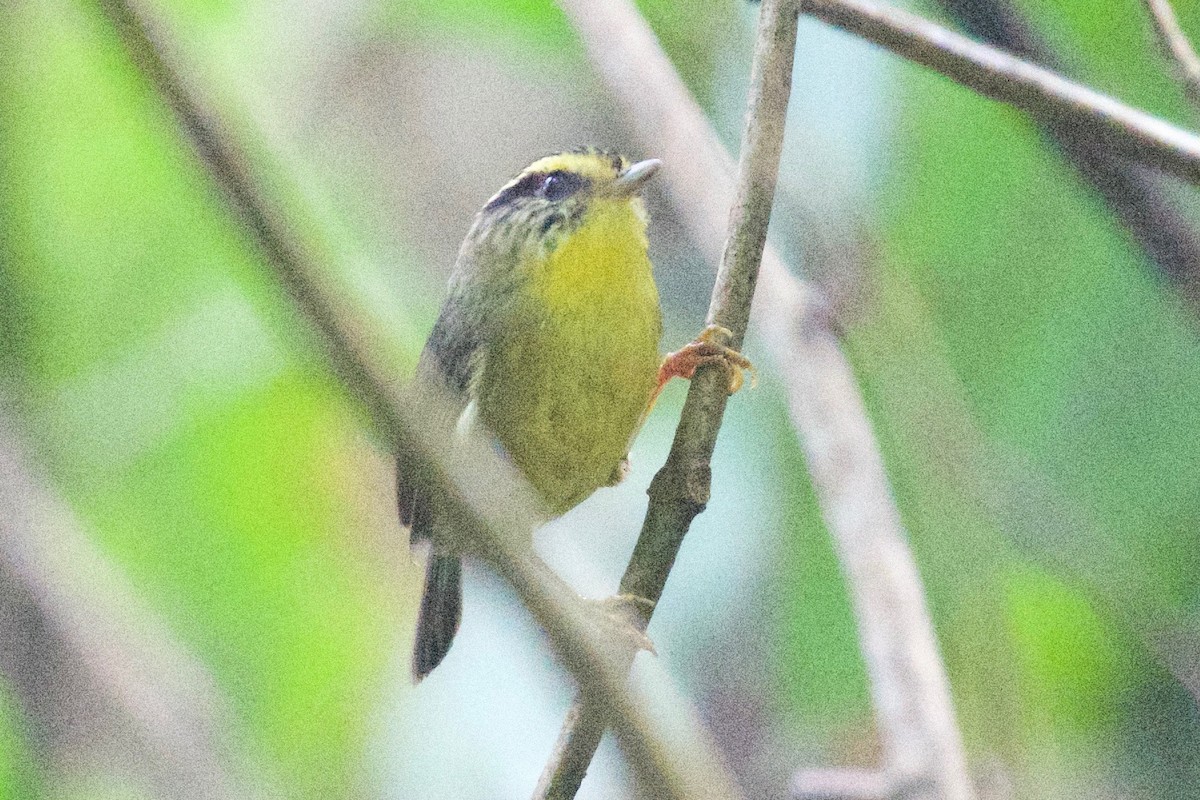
[
  {"x": 483, "y": 293},
  {"x": 449, "y": 363}
]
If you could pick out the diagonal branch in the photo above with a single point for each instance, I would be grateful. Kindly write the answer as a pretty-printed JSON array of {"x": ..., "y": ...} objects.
[
  {"x": 680, "y": 489},
  {"x": 1049, "y": 97},
  {"x": 1134, "y": 192},
  {"x": 908, "y": 683},
  {"x": 1175, "y": 44},
  {"x": 479, "y": 488}
]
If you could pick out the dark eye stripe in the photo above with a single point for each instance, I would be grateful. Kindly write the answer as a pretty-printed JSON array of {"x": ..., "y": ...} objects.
[
  {"x": 560, "y": 185},
  {"x": 526, "y": 187},
  {"x": 552, "y": 186}
]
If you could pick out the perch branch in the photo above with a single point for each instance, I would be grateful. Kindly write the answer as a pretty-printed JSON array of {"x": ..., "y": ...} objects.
[
  {"x": 908, "y": 683},
  {"x": 1046, "y": 95},
  {"x": 1175, "y": 44},
  {"x": 680, "y": 489},
  {"x": 483, "y": 492}
]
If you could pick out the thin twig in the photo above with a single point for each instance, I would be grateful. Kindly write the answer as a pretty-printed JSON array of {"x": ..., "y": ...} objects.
[
  {"x": 479, "y": 488},
  {"x": 908, "y": 683},
  {"x": 1000, "y": 76},
  {"x": 1175, "y": 45},
  {"x": 94, "y": 669},
  {"x": 1134, "y": 192},
  {"x": 680, "y": 489}
]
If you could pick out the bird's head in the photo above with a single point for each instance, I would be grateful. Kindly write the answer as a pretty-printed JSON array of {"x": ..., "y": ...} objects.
[{"x": 551, "y": 197}]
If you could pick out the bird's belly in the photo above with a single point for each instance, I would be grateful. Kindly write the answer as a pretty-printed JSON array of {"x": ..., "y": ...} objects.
[{"x": 565, "y": 396}]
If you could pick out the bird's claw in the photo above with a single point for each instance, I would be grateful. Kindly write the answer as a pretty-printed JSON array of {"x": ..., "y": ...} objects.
[{"x": 707, "y": 348}]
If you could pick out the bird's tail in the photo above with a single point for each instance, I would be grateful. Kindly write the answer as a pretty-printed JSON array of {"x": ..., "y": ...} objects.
[{"x": 441, "y": 611}]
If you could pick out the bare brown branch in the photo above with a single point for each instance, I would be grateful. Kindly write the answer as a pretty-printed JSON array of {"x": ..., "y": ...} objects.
[
  {"x": 908, "y": 683},
  {"x": 680, "y": 489}
]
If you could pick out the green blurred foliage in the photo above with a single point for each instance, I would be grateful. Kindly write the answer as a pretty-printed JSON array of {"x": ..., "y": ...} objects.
[
  {"x": 179, "y": 405},
  {"x": 17, "y": 781},
  {"x": 116, "y": 239},
  {"x": 1062, "y": 346},
  {"x": 526, "y": 28},
  {"x": 538, "y": 31}
]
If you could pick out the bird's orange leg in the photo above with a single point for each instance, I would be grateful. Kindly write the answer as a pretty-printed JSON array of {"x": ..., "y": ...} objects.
[{"x": 705, "y": 349}]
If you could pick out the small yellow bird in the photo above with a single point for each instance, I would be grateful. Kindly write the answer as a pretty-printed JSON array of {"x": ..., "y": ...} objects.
[{"x": 549, "y": 340}]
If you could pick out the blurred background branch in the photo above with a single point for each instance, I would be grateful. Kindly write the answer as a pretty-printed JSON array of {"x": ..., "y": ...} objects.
[
  {"x": 843, "y": 784},
  {"x": 1135, "y": 193},
  {"x": 100, "y": 677},
  {"x": 1175, "y": 46},
  {"x": 1000, "y": 76},
  {"x": 922, "y": 748}
]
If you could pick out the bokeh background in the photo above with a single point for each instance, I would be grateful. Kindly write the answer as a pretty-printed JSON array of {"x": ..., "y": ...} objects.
[{"x": 1033, "y": 383}]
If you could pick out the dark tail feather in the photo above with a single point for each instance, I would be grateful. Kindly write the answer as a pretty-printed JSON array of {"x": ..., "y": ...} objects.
[{"x": 441, "y": 610}]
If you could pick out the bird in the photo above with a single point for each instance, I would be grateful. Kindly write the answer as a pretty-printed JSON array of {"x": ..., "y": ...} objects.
[{"x": 547, "y": 341}]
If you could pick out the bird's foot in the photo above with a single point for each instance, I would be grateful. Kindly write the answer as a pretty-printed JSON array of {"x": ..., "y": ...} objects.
[{"x": 707, "y": 348}]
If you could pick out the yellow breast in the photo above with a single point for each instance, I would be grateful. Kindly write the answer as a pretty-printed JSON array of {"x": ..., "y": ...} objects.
[{"x": 566, "y": 384}]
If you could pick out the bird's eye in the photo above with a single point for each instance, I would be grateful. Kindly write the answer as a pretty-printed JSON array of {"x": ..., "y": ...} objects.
[{"x": 560, "y": 185}]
